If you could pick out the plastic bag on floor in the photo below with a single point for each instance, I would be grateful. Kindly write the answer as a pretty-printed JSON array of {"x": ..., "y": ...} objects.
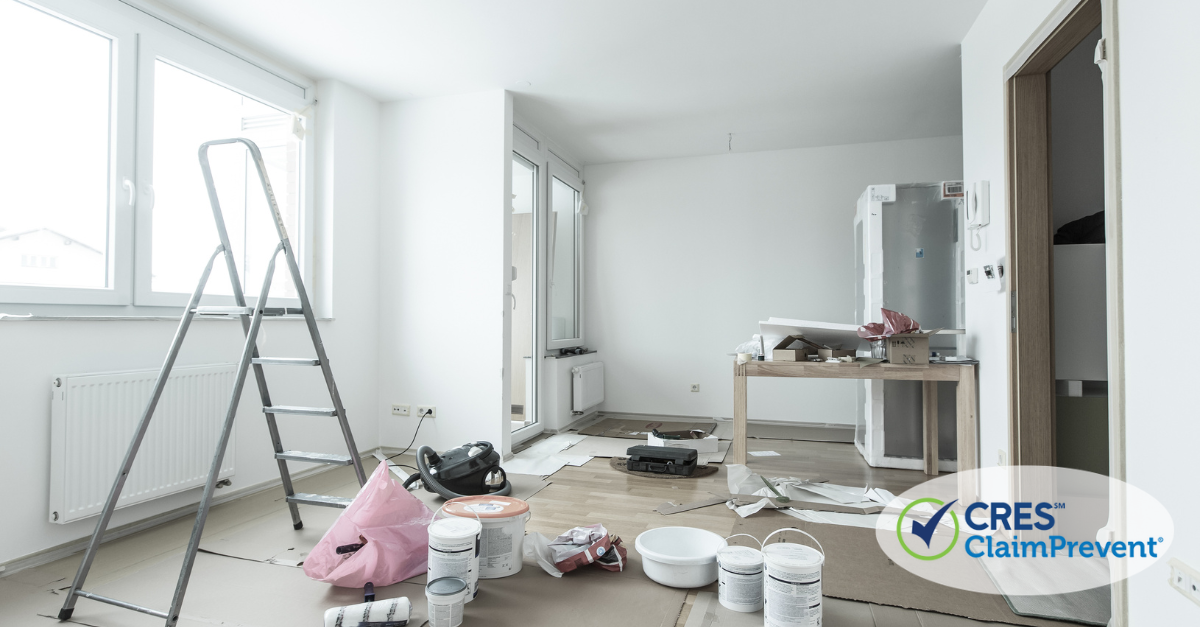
[{"x": 382, "y": 537}]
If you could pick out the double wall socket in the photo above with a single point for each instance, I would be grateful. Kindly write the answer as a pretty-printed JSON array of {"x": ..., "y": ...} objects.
[
  {"x": 422, "y": 410},
  {"x": 1185, "y": 579}
]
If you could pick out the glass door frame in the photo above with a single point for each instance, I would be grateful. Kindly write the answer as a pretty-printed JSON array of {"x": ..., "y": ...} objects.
[{"x": 526, "y": 149}]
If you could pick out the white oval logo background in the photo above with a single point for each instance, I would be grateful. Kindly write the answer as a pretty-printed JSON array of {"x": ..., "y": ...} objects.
[{"x": 1062, "y": 530}]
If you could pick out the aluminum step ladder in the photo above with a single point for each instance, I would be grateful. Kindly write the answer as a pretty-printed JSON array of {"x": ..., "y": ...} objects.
[{"x": 251, "y": 317}]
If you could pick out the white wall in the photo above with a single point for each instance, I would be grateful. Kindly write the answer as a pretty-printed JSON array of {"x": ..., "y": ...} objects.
[
  {"x": 37, "y": 351},
  {"x": 686, "y": 256},
  {"x": 998, "y": 33},
  {"x": 445, "y": 252},
  {"x": 1159, "y": 89}
]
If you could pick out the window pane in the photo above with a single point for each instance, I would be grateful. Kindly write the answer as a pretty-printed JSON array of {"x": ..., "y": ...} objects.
[
  {"x": 188, "y": 111},
  {"x": 54, "y": 168},
  {"x": 564, "y": 203},
  {"x": 524, "y": 288}
]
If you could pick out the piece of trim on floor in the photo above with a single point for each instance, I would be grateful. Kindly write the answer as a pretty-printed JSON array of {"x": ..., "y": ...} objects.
[{"x": 66, "y": 549}]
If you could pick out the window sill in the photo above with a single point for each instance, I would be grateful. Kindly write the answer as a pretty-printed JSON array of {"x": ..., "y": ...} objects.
[{"x": 4, "y": 317}]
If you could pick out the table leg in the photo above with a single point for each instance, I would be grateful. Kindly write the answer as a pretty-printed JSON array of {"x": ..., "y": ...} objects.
[
  {"x": 929, "y": 426},
  {"x": 968, "y": 426},
  {"x": 737, "y": 450}
]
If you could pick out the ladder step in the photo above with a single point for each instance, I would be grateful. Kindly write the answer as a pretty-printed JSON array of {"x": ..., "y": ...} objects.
[
  {"x": 286, "y": 361},
  {"x": 316, "y": 458},
  {"x": 247, "y": 311},
  {"x": 128, "y": 606},
  {"x": 319, "y": 500},
  {"x": 306, "y": 411},
  {"x": 224, "y": 311}
]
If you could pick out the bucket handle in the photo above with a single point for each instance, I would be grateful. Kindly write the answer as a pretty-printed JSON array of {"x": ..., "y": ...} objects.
[
  {"x": 764, "y": 543},
  {"x": 760, "y": 544},
  {"x": 439, "y": 511}
]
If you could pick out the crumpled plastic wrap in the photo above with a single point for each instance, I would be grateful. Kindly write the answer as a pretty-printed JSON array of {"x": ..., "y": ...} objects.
[
  {"x": 894, "y": 323},
  {"x": 576, "y": 547}
]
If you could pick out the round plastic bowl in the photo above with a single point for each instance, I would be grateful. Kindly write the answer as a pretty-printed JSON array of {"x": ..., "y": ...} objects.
[{"x": 680, "y": 557}]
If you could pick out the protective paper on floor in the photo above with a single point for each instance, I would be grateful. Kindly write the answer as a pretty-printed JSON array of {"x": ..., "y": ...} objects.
[
  {"x": 547, "y": 456},
  {"x": 638, "y": 429},
  {"x": 272, "y": 540},
  {"x": 856, "y": 568},
  {"x": 239, "y": 592},
  {"x": 1092, "y": 606}
]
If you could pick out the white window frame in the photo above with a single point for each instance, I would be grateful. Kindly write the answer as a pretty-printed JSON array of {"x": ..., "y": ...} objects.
[
  {"x": 526, "y": 148},
  {"x": 195, "y": 56},
  {"x": 119, "y": 258},
  {"x": 559, "y": 169},
  {"x": 142, "y": 33}
]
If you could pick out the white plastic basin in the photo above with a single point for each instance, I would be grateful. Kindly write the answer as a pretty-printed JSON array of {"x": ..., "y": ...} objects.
[{"x": 680, "y": 557}]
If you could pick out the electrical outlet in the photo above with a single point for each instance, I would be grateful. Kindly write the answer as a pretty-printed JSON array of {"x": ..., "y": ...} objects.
[
  {"x": 399, "y": 410},
  {"x": 424, "y": 409},
  {"x": 695, "y": 387},
  {"x": 1185, "y": 579}
]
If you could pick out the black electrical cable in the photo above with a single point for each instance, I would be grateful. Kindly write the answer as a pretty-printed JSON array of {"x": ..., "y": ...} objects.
[{"x": 414, "y": 438}]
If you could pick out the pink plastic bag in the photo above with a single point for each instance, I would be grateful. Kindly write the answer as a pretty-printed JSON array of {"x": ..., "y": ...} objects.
[{"x": 395, "y": 525}]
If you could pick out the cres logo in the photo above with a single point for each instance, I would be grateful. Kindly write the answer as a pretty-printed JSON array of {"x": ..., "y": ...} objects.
[{"x": 924, "y": 531}]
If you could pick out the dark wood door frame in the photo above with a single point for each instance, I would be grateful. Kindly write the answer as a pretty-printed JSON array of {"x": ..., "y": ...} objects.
[{"x": 1030, "y": 245}]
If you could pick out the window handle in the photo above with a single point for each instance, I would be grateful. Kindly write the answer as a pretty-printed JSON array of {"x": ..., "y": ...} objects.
[
  {"x": 129, "y": 189},
  {"x": 150, "y": 192}
]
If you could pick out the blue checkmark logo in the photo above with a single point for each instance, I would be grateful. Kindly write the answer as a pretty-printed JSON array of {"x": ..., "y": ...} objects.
[{"x": 925, "y": 530}]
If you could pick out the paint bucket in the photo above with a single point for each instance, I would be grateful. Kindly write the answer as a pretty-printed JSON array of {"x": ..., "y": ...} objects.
[
  {"x": 445, "y": 597},
  {"x": 740, "y": 577},
  {"x": 454, "y": 550},
  {"x": 501, "y": 542},
  {"x": 792, "y": 594}
]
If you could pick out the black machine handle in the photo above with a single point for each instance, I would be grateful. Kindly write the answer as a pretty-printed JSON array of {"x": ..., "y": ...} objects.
[{"x": 430, "y": 480}]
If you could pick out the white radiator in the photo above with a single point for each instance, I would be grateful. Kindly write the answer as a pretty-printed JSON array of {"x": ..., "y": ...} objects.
[
  {"x": 93, "y": 417},
  {"x": 587, "y": 386}
]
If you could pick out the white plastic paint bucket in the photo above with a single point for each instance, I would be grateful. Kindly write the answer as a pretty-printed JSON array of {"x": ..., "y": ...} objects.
[
  {"x": 740, "y": 577},
  {"x": 503, "y": 537},
  {"x": 454, "y": 551},
  {"x": 446, "y": 597},
  {"x": 792, "y": 594}
]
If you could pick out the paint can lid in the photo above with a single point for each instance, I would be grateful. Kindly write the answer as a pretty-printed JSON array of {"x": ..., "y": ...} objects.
[
  {"x": 787, "y": 555},
  {"x": 740, "y": 557},
  {"x": 486, "y": 506},
  {"x": 445, "y": 586},
  {"x": 455, "y": 528}
]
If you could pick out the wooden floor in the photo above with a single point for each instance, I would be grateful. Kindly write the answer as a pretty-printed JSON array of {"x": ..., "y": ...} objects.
[{"x": 577, "y": 496}]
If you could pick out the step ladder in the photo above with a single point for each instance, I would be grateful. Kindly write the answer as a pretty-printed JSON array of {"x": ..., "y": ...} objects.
[{"x": 251, "y": 317}]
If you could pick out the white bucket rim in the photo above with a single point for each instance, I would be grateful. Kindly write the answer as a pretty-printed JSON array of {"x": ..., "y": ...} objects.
[
  {"x": 676, "y": 560},
  {"x": 455, "y": 528},
  {"x": 792, "y": 561}
]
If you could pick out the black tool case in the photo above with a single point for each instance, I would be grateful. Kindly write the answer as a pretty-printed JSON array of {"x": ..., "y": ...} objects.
[{"x": 664, "y": 460}]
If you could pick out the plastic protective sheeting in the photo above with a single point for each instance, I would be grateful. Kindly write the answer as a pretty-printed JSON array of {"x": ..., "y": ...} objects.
[{"x": 393, "y": 528}]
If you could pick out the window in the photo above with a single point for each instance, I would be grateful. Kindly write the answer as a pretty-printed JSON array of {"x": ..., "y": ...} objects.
[
  {"x": 104, "y": 201},
  {"x": 564, "y": 237},
  {"x": 188, "y": 111},
  {"x": 55, "y": 212}
]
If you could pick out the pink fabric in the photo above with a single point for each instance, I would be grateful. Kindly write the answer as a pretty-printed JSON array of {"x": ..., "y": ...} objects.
[
  {"x": 893, "y": 323},
  {"x": 395, "y": 525}
]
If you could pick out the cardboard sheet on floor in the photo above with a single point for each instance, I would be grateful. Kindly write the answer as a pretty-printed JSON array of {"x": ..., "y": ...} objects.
[
  {"x": 547, "y": 457},
  {"x": 857, "y": 569},
  {"x": 241, "y": 592},
  {"x": 638, "y": 429},
  {"x": 601, "y": 446},
  {"x": 270, "y": 539}
]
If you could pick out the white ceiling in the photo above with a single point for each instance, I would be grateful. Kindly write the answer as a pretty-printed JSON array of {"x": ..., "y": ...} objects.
[{"x": 620, "y": 80}]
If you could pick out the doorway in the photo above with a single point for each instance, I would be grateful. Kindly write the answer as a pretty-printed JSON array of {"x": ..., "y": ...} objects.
[
  {"x": 524, "y": 366},
  {"x": 1033, "y": 224}
]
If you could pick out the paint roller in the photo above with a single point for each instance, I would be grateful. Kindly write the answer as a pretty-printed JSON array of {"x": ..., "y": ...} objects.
[{"x": 372, "y": 613}]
